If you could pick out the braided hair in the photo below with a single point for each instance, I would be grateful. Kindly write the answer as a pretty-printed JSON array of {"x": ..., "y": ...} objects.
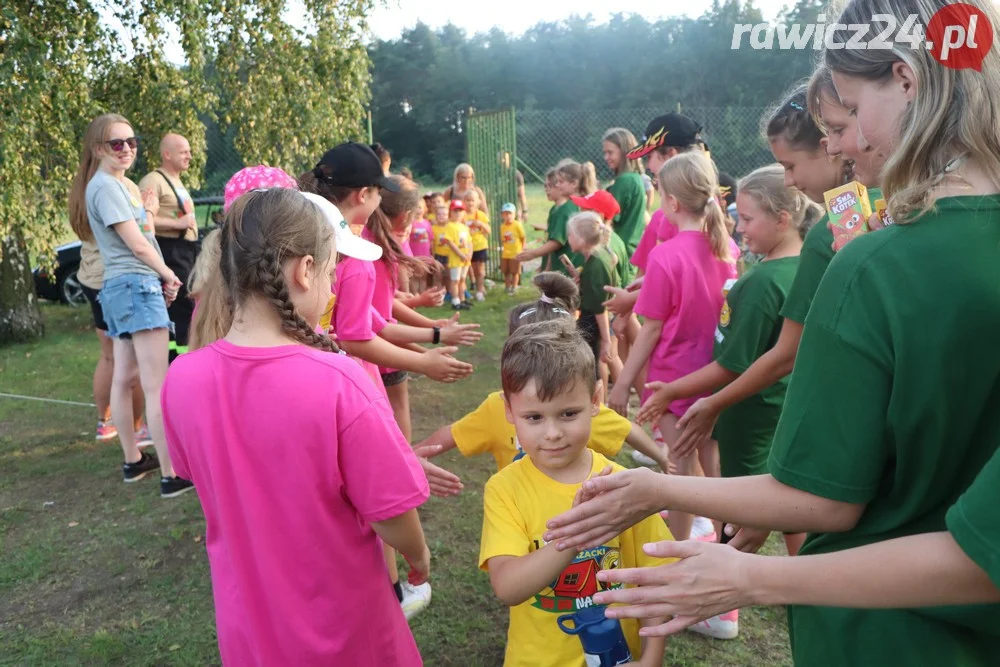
[{"x": 262, "y": 230}]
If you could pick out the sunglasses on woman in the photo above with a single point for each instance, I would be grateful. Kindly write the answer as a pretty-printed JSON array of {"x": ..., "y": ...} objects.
[{"x": 118, "y": 145}]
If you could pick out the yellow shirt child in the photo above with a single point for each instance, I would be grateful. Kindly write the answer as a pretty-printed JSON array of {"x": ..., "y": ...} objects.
[
  {"x": 480, "y": 236},
  {"x": 439, "y": 247},
  {"x": 458, "y": 234},
  {"x": 517, "y": 503},
  {"x": 513, "y": 238}
]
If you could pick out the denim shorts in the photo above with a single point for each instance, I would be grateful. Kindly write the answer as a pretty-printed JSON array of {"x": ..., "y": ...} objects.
[{"x": 134, "y": 302}]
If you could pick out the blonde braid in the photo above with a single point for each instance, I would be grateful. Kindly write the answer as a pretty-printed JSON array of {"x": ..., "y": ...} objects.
[{"x": 272, "y": 282}]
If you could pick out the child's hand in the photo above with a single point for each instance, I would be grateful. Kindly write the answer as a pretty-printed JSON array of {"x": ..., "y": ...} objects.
[
  {"x": 606, "y": 356},
  {"x": 438, "y": 364},
  {"x": 618, "y": 399},
  {"x": 460, "y": 334},
  {"x": 420, "y": 567},
  {"x": 656, "y": 404},
  {"x": 747, "y": 540},
  {"x": 442, "y": 482},
  {"x": 619, "y": 302},
  {"x": 431, "y": 298}
]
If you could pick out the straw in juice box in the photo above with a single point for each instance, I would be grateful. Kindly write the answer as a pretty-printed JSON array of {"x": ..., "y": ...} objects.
[{"x": 849, "y": 211}]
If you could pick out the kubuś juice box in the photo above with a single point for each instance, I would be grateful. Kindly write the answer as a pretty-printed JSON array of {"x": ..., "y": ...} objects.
[{"x": 849, "y": 210}]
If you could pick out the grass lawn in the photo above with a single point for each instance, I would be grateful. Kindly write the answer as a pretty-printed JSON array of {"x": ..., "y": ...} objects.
[{"x": 96, "y": 572}]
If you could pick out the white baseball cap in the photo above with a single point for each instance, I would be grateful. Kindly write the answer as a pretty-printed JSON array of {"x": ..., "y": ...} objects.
[{"x": 347, "y": 243}]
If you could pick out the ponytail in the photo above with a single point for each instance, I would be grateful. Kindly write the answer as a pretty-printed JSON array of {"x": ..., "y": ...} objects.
[
  {"x": 585, "y": 175},
  {"x": 592, "y": 230},
  {"x": 694, "y": 181},
  {"x": 560, "y": 297},
  {"x": 766, "y": 186},
  {"x": 588, "y": 183}
]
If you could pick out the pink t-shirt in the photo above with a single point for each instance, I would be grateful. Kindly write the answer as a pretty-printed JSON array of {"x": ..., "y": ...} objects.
[
  {"x": 658, "y": 230},
  {"x": 420, "y": 238},
  {"x": 354, "y": 315},
  {"x": 386, "y": 279},
  {"x": 294, "y": 454},
  {"x": 683, "y": 289}
]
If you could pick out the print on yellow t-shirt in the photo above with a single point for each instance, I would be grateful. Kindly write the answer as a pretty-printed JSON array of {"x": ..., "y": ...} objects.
[{"x": 512, "y": 237}]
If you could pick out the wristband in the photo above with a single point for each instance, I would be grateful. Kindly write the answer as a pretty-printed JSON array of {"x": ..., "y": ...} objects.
[{"x": 437, "y": 335}]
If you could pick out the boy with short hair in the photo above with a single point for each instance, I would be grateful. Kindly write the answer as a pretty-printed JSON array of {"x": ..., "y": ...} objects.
[{"x": 551, "y": 395}]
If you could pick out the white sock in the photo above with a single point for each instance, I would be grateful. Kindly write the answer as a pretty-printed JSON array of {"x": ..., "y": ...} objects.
[{"x": 455, "y": 301}]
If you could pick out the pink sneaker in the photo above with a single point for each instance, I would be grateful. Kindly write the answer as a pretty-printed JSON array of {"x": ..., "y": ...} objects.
[
  {"x": 724, "y": 626},
  {"x": 143, "y": 438},
  {"x": 106, "y": 430}
]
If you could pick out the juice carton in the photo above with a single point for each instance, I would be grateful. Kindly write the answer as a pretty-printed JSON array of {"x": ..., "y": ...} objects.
[
  {"x": 882, "y": 211},
  {"x": 849, "y": 211}
]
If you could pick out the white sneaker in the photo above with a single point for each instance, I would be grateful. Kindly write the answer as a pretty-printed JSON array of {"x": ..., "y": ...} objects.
[
  {"x": 724, "y": 626},
  {"x": 642, "y": 459},
  {"x": 701, "y": 528},
  {"x": 480, "y": 296},
  {"x": 415, "y": 598}
]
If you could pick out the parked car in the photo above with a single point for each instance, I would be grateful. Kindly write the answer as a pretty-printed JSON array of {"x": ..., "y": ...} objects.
[{"x": 63, "y": 286}]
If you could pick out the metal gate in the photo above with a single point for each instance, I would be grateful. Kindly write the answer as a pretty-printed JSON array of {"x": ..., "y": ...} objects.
[{"x": 491, "y": 149}]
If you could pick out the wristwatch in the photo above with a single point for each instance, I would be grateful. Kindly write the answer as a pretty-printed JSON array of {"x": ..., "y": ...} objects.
[{"x": 437, "y": 335}]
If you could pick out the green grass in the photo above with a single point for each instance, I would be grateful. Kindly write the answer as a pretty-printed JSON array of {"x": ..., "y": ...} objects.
[{"x": 96, "y": 572}]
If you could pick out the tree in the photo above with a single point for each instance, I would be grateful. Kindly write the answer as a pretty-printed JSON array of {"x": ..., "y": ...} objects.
[
  {"x": 47, "y": 51},
  {"x": 281, "y": 96},
  {"x": 291, "y": 95}
]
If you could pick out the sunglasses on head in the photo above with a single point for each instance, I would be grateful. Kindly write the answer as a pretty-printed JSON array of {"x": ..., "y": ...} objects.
[{"x": 118, "y": 145}]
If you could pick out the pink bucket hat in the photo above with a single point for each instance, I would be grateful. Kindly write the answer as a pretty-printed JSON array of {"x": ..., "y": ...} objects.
[{"x": 255, "y": 178}]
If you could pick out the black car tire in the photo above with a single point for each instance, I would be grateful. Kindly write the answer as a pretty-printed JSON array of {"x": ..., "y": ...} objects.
[{"x": 70, "y": 290}]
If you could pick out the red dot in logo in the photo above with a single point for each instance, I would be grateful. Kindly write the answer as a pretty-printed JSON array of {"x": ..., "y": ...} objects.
[{"x": 959, "y": 36}]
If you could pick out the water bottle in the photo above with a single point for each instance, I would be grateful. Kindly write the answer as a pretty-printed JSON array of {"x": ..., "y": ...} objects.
[{"x": 603, "y": 641}]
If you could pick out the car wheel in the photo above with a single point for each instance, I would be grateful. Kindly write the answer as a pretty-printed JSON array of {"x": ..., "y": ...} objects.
[{"x": 71, "y": 290}]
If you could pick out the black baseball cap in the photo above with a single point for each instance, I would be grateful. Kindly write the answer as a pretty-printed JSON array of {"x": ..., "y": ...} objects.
[
  {"x": 352, "y": 165},
  {"x": 670, "y": 129}
]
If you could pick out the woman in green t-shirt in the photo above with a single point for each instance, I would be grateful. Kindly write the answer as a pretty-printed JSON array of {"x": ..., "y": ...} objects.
[
  {"x": 890, "y": 412},
  {"x": 627, "y": 188}
]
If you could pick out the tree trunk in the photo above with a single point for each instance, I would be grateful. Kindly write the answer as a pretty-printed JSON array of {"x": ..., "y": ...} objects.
[{"x": 20, "y": 319}]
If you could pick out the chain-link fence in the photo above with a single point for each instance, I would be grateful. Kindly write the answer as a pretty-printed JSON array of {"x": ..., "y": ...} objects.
[{"x": 546, "y": 136}]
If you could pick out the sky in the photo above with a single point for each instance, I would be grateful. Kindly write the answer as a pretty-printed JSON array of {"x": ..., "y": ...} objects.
[{"x": 516, "y": 16}]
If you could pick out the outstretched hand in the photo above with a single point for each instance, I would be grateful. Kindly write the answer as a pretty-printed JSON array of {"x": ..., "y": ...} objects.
[
  {"x": 609, "y": 503},
  {"x": 708, "y": 580}
]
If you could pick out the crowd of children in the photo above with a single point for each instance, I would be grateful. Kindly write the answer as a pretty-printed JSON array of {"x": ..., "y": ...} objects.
[{"x": 291, "y": 413}]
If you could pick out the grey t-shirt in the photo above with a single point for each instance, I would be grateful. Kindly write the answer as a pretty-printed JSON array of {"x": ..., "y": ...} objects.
[{"x": 110, "y": 203}]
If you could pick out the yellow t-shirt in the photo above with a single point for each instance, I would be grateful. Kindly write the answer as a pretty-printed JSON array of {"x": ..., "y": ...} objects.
[
  {"x": 517, "y": 502},
  {"x": 480, "y": 239},
  {"x": 326, "y": 319},
  {"x": 439, "y": 247},
  {"x": 486, "y": 429},
  {"x": 513, "y": 238},
  {"x": 460, "y": 235}
]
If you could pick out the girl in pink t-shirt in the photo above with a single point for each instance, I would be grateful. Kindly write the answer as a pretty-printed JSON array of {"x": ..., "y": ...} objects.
[
  {"x": 361, "y": 329},
  {"x": 681, "y": 298},
  {"x": 299, "y": 487}
]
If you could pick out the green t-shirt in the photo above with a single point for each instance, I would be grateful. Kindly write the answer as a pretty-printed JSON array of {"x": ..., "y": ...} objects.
[
  {"x": 598, "y": 271},
  {"x": 817, "y": 251},
  {"x": 748, "y": 327},
  {"x": 893, "y": 404},
  {"x": 624, "y": 269},
  {"x": 630, "y": 194},
  {"x": 974, "y": 521},
  {"x": 558, "y": 217}
]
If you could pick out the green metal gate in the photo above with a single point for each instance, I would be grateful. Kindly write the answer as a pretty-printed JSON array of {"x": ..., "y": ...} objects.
[{"x": 491, "y": 149}]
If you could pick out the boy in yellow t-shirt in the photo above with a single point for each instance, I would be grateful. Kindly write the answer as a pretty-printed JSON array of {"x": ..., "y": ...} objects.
[
  {"x": 459, "y": 244},
  {"x": 479, "y": 228},
  {"x": 549, "y": 385},
  {"x": 512, "y": 237}
]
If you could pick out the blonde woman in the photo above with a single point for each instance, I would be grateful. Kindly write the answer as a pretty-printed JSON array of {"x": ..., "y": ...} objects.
[{"x": 463, "y": 181}]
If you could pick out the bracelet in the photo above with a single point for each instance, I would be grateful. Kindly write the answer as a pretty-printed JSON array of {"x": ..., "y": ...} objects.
[{"x": 437, "y": 335}]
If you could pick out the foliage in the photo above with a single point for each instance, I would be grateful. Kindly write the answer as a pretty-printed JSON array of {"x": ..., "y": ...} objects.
[
  {"x": 426, "y": 80},
  {"x": 289, "y": 95}
]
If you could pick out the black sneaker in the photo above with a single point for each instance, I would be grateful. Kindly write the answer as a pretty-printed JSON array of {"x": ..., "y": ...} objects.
[
  {"x": 133, "y": 472},
  {"x": 459, "y": 306},
  {"x": 171, "y": 487}
]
